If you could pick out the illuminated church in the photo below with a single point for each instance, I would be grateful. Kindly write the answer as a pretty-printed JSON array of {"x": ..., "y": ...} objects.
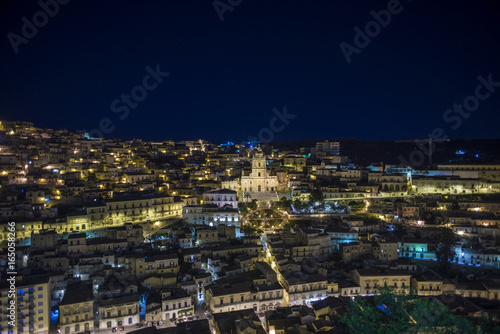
[{"x": 259, "y": 180}]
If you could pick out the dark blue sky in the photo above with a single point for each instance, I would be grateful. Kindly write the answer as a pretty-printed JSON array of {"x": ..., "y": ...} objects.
[{"x": 227, "y": 76}]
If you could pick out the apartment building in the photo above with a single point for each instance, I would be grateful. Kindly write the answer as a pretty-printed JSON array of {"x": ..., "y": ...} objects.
[
  {"x": 341, "y": 234},
  {"x": 211, "y": 215},
  {"x": 118, "y": 311},
  {"x": 424, "y": 249},
  {"x": 176, "y": 303},
  {"x": 304, "y": 289},
  {"x": 427, "y": 284},
  {"x": 242, "y": 296},
  {"x": 371, "y": 279},
  {"x": 76, "y": 310},
  {"x": 221, "y": 198},
  {"x": 32, "y": 305},
  {"x": 448, "y": 185}
]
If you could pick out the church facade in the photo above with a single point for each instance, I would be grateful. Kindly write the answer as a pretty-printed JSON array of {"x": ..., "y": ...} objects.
[{"x": 259, "y": 179}]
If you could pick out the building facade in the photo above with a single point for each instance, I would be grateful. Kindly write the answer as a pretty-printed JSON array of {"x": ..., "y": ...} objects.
[{"x": 259, "y": 179}]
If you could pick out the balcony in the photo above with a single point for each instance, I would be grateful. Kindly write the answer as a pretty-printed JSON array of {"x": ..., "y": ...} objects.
[
  {"x": 22, "y": 329},
  {"x": 272, "y": 299},
  {"x": 235, "y": 303},
  {"x": 22, "y": 306},
  {"x": 22, "y": 322}
]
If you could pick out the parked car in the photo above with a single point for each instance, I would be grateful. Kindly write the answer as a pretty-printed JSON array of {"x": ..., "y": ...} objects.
[
  {"x": 121, "y": 328},
  {"x": 114, "y": 329}
]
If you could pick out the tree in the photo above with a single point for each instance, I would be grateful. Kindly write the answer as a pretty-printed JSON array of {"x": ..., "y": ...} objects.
[
  {"x": 316, "y": 195},
  {"x": 253, "y": 205},
  {"x": 284, "y": 203},
  {"x": 445, "y": 252},
  {"x": 249, "y": 229},
  {"x": 287, "y": 225},
  {"x": 247, "y": 196},
  {"x": 357, "y": 205},
  {"x": 243, "y": 209},
  {"x": 392, "y": 312},
  {"x": 297, "y": 205}
]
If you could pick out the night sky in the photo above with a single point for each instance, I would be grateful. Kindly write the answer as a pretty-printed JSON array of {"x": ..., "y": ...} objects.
[{"x": 225, "y": 77}]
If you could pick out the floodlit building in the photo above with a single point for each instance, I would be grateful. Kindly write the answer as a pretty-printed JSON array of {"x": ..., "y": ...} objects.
[
  {"x": 221, "y": 198},
  {"x": 371, "y": 279},
  {"x": 259, "y": 179}
]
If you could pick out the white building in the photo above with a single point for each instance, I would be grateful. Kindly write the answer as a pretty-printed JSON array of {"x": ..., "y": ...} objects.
[
  {"x": 211, "y": 214},
  {"x": 259, "y": 179},
  {"x": 221, "y": 198}
]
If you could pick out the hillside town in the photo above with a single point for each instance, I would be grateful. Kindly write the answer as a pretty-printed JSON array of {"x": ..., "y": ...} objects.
[{"x": 200, "y": 237}]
